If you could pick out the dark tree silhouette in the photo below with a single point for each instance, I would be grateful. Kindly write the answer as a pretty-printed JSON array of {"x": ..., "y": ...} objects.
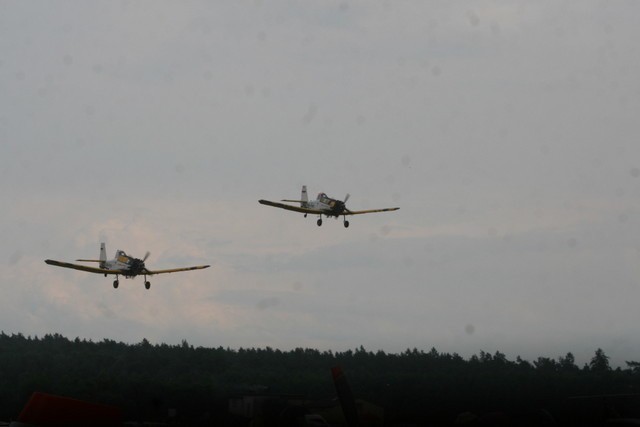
[
  {"x": 146, "y": 379},
  {"x": 599, "y": 362}
]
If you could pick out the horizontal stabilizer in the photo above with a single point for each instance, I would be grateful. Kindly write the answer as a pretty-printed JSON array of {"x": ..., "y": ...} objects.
[{"x": 89, "y": 260}]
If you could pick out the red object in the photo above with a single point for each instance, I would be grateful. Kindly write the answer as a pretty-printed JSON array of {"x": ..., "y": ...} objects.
[
  {"x": 48, "y": 410},
  {"x": 345, "y": 396}
]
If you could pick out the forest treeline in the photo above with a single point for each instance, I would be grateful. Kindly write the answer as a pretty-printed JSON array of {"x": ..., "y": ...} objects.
[{"x": 144, "y": 379}]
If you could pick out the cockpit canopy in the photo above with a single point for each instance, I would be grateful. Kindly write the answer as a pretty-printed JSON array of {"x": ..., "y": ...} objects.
[
  {"x": 322, "y": 197},
  {"x": 122, "y": 256}
]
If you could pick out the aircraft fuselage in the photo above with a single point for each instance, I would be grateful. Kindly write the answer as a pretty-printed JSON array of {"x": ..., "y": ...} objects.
[{"x": 328, "y": 206}]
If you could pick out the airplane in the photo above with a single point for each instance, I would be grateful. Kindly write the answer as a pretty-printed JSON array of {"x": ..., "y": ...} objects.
[
  {"x": 122, "y": 264},
  {"x": 323, "y": 205}
]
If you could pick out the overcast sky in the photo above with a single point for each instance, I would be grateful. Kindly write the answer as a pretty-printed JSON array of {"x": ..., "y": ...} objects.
[{"x": 507, "y": 132}]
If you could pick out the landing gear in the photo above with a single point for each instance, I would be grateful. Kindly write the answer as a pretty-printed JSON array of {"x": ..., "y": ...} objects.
[
  {"x": 115, "y": 284},
  {"x": 346, "y": 224},
  {"x": 319, "y": 222},
  {"x": 147, "y": 285}
]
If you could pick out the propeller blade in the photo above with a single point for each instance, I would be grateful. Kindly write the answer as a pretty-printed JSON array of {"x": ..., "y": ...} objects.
[
  {"x": 346, "y": 198},
  {"x": 146, "y": 256}
]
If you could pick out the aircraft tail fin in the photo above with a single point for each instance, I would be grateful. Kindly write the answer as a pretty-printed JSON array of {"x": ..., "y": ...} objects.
[
  {"x": 304, "y": 198},
  {"x": 345, "y": 396},
  {"x": 103, "y": 255}
]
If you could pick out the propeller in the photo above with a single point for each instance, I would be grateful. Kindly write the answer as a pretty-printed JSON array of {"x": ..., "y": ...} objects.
[
  {"x": 137, "y": 265},
  {"x": 341, "y": 205},
  {"x": 344, "y": 203}
]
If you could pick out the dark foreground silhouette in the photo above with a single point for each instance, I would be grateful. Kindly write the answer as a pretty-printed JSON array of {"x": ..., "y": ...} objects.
[{"x": 183, "y": 385}]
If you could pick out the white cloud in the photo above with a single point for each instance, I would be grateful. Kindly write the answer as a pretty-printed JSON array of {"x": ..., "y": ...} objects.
[{"x": 505, "y": 132}]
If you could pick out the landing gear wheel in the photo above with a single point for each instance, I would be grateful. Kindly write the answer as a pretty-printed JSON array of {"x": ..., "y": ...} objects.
[
  {"x": 147, "y": 285},
  {"x": 115, "y": 284},
  {"x": 319, "y": 222},
  {"x": 346, "y": 224}
]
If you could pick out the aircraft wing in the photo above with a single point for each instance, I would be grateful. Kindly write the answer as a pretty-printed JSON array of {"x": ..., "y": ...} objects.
[
  {"x": 291, "y": 208},
  {"x": 370, "y": 211},
  {"x": 175, "y": 270},
  {"x": 82, "y": 267}
]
